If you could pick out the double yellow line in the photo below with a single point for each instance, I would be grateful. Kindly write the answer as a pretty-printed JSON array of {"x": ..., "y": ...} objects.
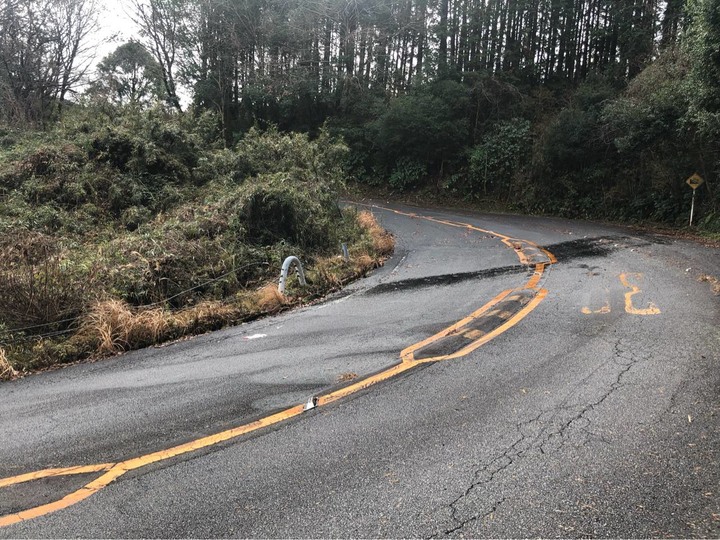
[{"x": 528, "y": 253}]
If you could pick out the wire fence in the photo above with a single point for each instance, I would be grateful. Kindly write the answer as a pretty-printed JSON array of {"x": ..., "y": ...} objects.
[{"x": 10, "y": 335}]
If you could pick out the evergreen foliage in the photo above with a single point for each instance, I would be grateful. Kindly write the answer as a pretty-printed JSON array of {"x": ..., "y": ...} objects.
[{"x": 594, "y": 108}]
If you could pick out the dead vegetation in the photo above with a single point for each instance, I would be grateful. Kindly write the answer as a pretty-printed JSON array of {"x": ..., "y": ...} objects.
[
  {"x": 346, "y": 377},
  {"x": 269, "y": 298},
  {"x": 712, "y": 280},
  {"x": 6, "y": 370},
  {"x": 111, "y": 326},
  {"x": 114, "y": 326},
  {"x": 382, "y": 241},
  {"x": 38, "y": 286}
]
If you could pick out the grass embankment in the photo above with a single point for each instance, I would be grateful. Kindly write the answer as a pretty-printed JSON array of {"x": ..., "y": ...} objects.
[{"x": 124, "y": 232}]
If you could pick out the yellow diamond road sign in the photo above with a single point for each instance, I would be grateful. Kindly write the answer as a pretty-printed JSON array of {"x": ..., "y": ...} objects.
[{"x": 695, "y": 181}]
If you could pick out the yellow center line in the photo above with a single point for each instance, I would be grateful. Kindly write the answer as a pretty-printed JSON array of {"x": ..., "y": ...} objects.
[
  {"x": 535, "y": 280},
  {"x": 482, "y": 340},
  {"x": 113, "y": 471},
  {"x": 407, "y": 354},
  {"x": 512, "y": 243},
  {"x": 362, "y": 384},
  {"x": 49, "y": 473}
]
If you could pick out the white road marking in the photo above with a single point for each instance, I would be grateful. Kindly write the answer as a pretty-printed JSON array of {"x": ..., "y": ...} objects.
[{"x": 254, "y": 336}]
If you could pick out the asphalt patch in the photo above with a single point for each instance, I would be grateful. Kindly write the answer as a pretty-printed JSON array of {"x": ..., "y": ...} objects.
[
  {"x": 444, "y": 279},
  {"x": 478, "y": 327},
  {"x": 34, "y": 493},
  {"x": 593, "y": 247},
  {"x": 574, "y": 249}
]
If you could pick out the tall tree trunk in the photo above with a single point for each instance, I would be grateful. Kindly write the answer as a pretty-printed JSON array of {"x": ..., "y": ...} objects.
[{"x": 443, "y": 37}]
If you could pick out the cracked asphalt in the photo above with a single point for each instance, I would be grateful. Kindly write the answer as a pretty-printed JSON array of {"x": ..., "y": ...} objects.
[{"x": 592, "y": 417}]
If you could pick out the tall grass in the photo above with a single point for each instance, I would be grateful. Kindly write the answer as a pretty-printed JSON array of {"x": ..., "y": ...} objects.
[
  {"x": 6, "y": 370},
  {"x": 382, "y": 241},
  {"x": 39, "y": 284}
]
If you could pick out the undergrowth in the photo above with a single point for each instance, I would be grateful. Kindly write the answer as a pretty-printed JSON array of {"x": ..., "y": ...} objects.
[{"x": 124, "y": 234}]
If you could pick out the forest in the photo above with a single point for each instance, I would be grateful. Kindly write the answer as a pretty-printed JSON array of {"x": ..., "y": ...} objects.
[
  {"x": 221, "y": 116},
  {"x": 585, "y": 108}
]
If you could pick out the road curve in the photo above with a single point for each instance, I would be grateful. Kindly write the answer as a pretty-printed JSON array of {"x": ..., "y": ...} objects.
[{"x": 501, "y": 376}]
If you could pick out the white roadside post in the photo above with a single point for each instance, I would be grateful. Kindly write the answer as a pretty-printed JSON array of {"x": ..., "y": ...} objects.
[
  {"x": 284, "y": 272},
  {"x": 694, "y": 182}
]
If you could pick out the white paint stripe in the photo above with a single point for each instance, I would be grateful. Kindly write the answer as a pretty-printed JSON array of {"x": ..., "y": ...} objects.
[{"x": 255, "y": 336}]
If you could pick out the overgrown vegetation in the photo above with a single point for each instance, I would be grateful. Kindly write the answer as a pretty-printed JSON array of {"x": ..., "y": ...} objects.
[
  {"x": 585, "y": 109},
  {"x": 124, "y": 231},
  {"x": 595, "y": 108}
]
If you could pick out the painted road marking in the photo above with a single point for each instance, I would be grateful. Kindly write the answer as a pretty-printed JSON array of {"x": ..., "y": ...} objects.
[
  {"x": 116, "y": 470},
  {"x": 49, "y": 473},
  {"x": 473, "y": 331},
  {"x": 254, "y": 336},
  {"x": 604, "y": 309},
  {"x": 629, "y": 307},
  {"x": 452, "y": 342}
]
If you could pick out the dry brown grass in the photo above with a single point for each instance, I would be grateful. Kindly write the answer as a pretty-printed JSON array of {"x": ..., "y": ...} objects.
[
  {"x": 209, "y": 315},
  {"x": 329, "y": 270},
  {"x": 363, "y": 263},
  {"x": 115, "y": 327},
  {"x": 383, "y": 241},
  {"x": 712, "y": 280},
  {"x": 269, "y": 298},
  {"x": 6, "y": 370}
]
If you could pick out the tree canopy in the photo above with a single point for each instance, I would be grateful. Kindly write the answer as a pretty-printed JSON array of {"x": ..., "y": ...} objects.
[
  {"x": 585, "y": 107},
  {"x": 129, "y": 75}
]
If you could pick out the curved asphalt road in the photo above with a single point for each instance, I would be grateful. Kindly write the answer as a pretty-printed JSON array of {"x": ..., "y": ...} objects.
[{"x": 597, "y": 414}]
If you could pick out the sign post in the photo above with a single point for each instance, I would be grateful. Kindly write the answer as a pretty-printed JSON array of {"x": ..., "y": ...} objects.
[{"x": 694, "y": 182}]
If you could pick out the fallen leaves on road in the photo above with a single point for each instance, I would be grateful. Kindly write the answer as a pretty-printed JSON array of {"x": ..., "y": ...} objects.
[{"x": 712, "y": 280}]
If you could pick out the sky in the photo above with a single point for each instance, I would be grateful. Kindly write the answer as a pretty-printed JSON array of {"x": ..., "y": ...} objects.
[{"x": 115, "y": 26}]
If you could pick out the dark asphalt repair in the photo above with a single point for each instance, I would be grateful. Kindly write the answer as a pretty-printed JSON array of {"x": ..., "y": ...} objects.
[
  {"x": 19, "y": 497},
  {"x": 593, "y": 247},
  {"x": 499, "y": 314},
  {"x": 563, "y": 251},
  {"x": 445, "y": 279},
  {"x": 478, "y": 327}
]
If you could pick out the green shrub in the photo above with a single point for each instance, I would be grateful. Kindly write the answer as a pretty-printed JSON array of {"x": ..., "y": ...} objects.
[
  {"x": 502, "y": 156},
  {"x": 407, "y": 174},
  {"x": 321, "y": 161},
  {"x": 710, "y": 222},
  {"x": 159, "y": 152},
  {"x": 277, "y": 210}
]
